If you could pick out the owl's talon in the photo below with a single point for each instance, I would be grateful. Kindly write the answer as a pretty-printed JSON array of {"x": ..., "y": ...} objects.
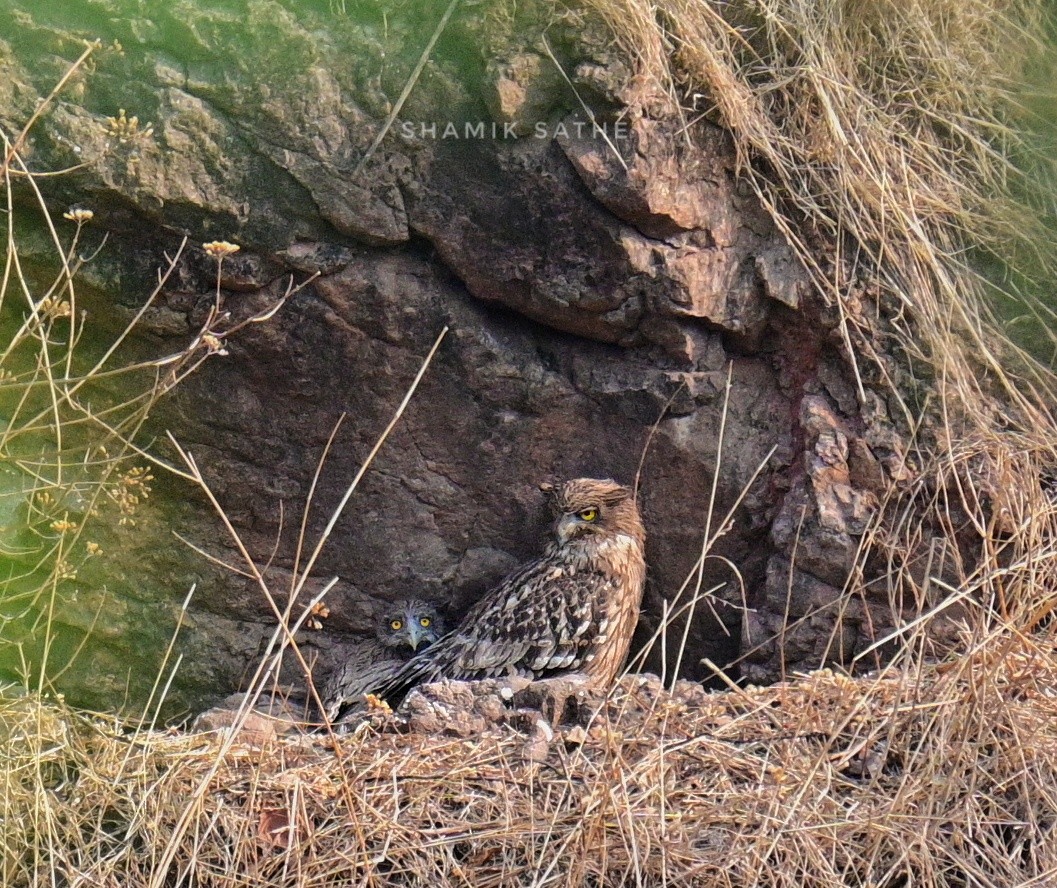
[{"x": 558, "y": 698}]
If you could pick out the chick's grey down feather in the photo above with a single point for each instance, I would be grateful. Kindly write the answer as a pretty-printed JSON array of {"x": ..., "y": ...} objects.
[{"x": 377, "y": 659}]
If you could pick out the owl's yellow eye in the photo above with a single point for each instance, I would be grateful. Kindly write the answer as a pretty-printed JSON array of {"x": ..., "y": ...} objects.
[
  {"x": 587, "y": 514},
  {"x": 424, "y": 621},
  {"x": 396, "y": 625}
]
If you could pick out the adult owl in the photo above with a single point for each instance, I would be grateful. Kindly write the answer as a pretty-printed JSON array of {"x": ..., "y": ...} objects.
[
  {"x": 572, "y": 610},
  {"x": 408, "y": 626}
]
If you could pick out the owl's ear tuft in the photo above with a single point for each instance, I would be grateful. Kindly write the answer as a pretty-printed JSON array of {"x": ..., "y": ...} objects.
[{"x": 551, "y": 490}]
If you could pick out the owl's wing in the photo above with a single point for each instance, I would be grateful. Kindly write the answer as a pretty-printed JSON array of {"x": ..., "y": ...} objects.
[
  {"x": 543, "y": 619},
  {"x": 369, "y": 665}
]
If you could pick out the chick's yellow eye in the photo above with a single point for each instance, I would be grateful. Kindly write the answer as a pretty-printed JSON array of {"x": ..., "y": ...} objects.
[
  {"x": 424, "y": 621},
  {"x": 396, "y": 625},
  {"x": 587, "y": 514}
]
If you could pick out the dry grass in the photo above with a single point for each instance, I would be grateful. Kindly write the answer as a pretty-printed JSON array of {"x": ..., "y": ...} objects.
[
  {"x": 939, "y": 775},
  {"x": 880, "y": 136}
]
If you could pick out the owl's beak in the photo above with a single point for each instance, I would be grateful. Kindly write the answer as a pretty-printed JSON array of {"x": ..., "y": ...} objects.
[
  {"x": 567, "y": 528},
  {"x": 415, "y": 635}
]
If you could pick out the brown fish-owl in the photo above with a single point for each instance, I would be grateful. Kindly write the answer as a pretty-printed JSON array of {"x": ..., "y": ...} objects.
[{"x": 573, "y": 610}]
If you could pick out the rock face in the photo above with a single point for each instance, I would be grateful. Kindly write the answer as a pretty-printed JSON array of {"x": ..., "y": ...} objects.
[{"x": 601, "y": 284}]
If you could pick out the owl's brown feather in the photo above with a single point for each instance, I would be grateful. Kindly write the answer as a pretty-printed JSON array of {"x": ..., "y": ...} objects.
[{"x": 573, "y": 609}]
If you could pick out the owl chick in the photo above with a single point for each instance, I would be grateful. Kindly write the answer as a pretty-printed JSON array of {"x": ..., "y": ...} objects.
[
  {"x": 571, "y": 610},
  {"x": 409, "y": 626}
]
